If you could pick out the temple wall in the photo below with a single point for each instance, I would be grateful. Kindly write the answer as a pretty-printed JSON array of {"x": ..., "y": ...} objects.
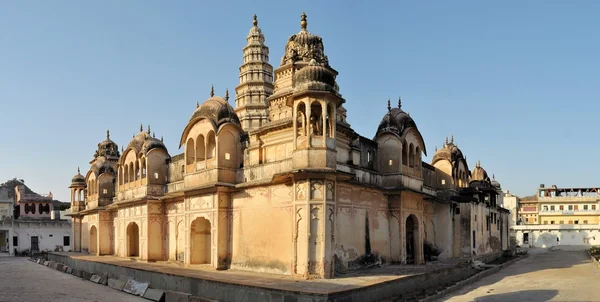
[
  {"x": 131, "y": 216},
  {"x": 261, "y": 227}
]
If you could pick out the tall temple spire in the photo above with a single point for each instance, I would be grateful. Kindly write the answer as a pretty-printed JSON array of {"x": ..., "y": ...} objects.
[
  {"x": 399, "y": 103},
  {"x": 212, "y": 91},
  {"x": 389, "y": 106},
  {"x": 256, "y": 81}
]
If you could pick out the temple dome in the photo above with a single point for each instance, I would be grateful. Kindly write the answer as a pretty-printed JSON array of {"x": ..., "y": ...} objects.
[
  {"x": 449, "y": 152},
  {"x": 107, "y": 148},
  {"x": 315, "y": 76},
  {"x": 143, "y": 142},
  {"x": 304, "y": 47},
  {"x": 218, "y": 110},
  {"x": 78, "y": 179},
  {"x": 495, "y": 183},
  {"x": 479, "y": 173},
  {"x": 396, "y": 121}
]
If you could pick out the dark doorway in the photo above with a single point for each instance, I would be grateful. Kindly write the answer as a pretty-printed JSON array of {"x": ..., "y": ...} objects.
[
  {"x": 411, "y": 239},
  {"x": 34, "y": 243}
]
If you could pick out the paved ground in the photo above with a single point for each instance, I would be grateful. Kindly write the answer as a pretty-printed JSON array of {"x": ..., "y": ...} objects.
[
  {"x": 561, "y": 274},
  {"x": 22, "y": 280}
]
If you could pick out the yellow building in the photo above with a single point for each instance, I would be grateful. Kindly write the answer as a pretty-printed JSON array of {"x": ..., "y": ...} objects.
[{"x": 561, "y": 206}]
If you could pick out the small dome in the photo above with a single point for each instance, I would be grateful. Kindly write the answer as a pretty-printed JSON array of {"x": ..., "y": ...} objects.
[
  {"x": 449, "y": 152},
  {"x": 479, "y": 174},
  {"x": 315, "y": 76},
  {"x": 304, "y": 47},
  {"x": 78, "y": 179},
  {"x": 143, "y": 142},
  {"x": 218, "y": 110},
  {"x": 108, "y": 148},
  {"x": 495, "y": 183},
  {"x": 101, "y": 165},
  {"x": 397, "y": 121}
]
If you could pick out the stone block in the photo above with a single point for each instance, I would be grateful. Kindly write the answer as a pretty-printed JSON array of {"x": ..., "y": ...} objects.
[
  {"x": 104, "y": 279},
  {"x": 46, "y": 263},
  {"x": 65, "y": 268},
  {"x": 116, "y": 284},
  {"x": 69, "y": 270},
  {"x": 76, "y": 273},
  {"x": 52, "y": 265},
  {"x": 59, "y": 267},
  {"x": 154, "y": 294},
  {"x": 85, "y": 275},
  {"x": 95, "y": 278},
  {"x": 135, "y": 288},
  {"x": 172, "y": 296},
  {"x": 39, "y": 261}
]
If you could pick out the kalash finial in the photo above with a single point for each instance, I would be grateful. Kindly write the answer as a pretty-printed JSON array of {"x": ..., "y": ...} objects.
[
  {"x": 478, "y": 164},
  {"x": 212, "y": 91},
  {"x": 399, "y": 103},
  {"x": 303, "y": 22},
  {"x": 107, "y": 134},
  {"x": 389, "y": 106},
  {"x": 153, "y": 136},
  {"x": 78, "y": 171},
  {"x": 141, "y": 127},
  {"x": 452, "y": 139},
  {"x": 226, "y": 94},
  {"x": 197, "y": 104},
  {"x": 148, "y": 129},
  {"x": 446, "y": 141},
  {"x": 161, "y": 138},
  {"x": 255, "y": 21}
]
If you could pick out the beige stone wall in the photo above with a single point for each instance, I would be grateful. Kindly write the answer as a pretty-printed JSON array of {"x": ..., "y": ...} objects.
[
  {"x": 261, "y": 228},
  {"x": 128, "y": 216}
]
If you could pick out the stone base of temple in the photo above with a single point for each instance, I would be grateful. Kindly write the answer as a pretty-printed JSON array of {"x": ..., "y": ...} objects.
[{"x": 204, "y": 282}]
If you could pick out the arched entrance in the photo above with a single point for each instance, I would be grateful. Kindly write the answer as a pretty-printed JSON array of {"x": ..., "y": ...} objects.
[
  {"x": 93, "y": 240},
  {"x": 412, "y": 239},
  {"x": 133, "y": 240},
  {"x": 200, "y": 241}
]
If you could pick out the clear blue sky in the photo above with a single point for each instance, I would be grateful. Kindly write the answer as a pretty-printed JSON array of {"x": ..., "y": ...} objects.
[{"x": 516, "y": 82}]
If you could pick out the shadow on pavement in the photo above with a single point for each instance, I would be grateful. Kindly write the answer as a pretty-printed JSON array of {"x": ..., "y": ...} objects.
[{"x": 521, "y": 296}]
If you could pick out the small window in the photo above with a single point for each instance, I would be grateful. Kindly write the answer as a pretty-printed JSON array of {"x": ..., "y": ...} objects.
[
  {"x": 546, "y": 222},
  {"x": 561, "y": 208},
  {"x": 155, "y": 175},
  {"x": 593, "y": 207},
  {"x": 50, "y": 235},
  {"x": 585, "y": 222},
  {"x": 585, "y": 206},
  {"x": 66, "y": 241},
  {"x": 475, "y": 217},
  {"x": 570, "y": 207},
  {"x": 443, "y": 181},
  {"x": 551, "y": 208},
  {"x": 561, "y": 222},
  {"x": 104, "y": 191},
  {"x": 227, "y": 156},
  {"x": 456, "y": 211},
  {"x": 391, "y": 162},
  {"x": 182, "y": 169},
  {"x": 551, "y": 221},
  {"x": 15, "y": 241},
  {"x": 576, "y": 207},
  {"x": 576, "y": 221}
]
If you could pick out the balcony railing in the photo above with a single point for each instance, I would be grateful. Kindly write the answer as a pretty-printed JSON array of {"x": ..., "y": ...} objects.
[
  {"x": 569, "y": 212},
  {"x": 415, "y": 172}
]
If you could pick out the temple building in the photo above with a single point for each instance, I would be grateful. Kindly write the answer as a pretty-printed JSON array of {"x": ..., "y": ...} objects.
[{"x": 281, "y": 183}]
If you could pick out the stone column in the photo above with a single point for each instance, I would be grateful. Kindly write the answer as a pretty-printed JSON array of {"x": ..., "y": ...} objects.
[{"x": 222, "y": 221}]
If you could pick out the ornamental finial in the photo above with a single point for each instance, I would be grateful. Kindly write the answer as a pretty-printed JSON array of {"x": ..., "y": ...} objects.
[
  {"x": 389, "y": 106},
  {"x": 141, "y": 127},
  {"x": 197, "y": 104},
  {"x": 107, "y": 134},
  {"x": 161, "y": 138},
  {"x": 226, "y": 94},
  {"x": 148, "y": 128},
  {"x": 78, "y": 171},
  {"x": 303, "y": 22},
  {"x": 212, "y": 91},
  {"x": 478, "y": 164},
  {"x": 255, "y": 21},
  {"x": 446, "y": 141},
  {"x": 399, "y": 103},
  {"x": 452, "y": 139},
  {"x": 153, "y": 136}
]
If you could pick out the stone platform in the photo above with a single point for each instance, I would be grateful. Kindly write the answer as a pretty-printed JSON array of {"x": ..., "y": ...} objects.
[{"x": 235, "y": 285}]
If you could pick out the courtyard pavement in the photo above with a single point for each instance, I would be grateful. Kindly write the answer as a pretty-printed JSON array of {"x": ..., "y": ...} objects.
[
  {"x": 563, "y": 273},
  {"x": 22, "y": 280}
]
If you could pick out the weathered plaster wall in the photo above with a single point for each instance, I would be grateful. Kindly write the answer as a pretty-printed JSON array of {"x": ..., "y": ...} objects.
[{"x": 261, "y": 229}]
